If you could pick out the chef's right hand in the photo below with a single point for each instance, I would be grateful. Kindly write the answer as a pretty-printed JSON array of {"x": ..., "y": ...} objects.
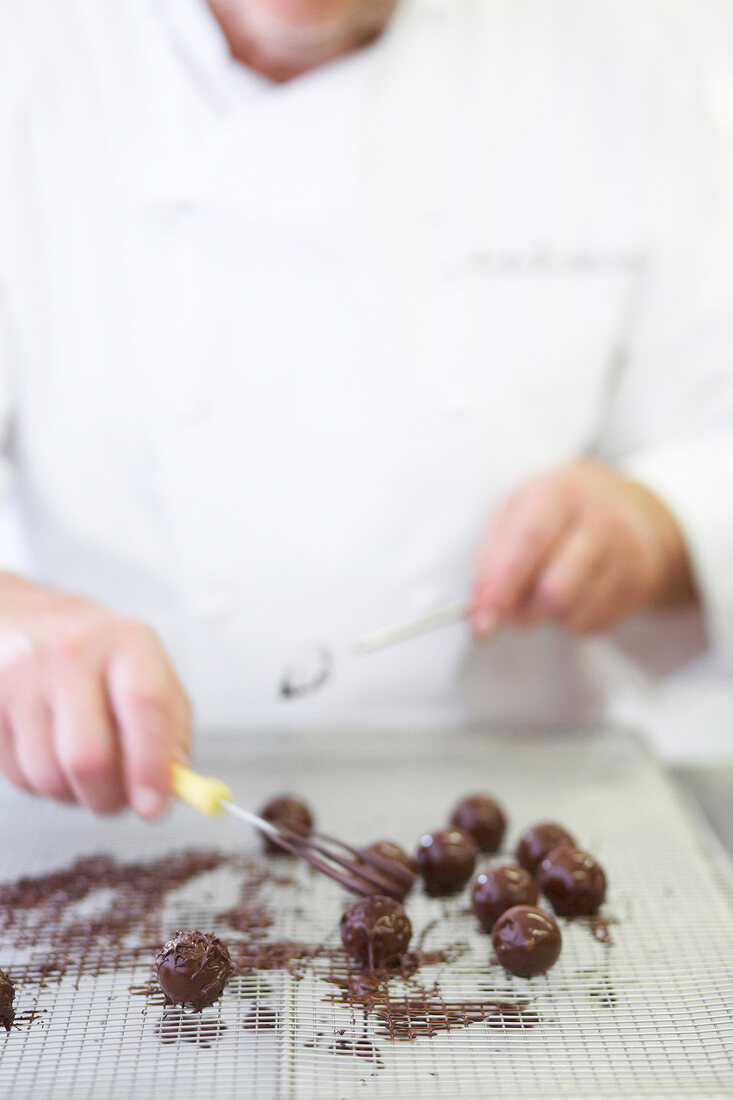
[{"x": 91, "y": 709}]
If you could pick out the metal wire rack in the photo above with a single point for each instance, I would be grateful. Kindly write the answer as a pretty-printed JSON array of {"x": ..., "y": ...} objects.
[{"x": 648, "y": 1016}]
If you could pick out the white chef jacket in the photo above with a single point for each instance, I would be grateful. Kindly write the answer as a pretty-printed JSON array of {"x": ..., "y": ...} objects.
[{"x": 271, "y": 354}]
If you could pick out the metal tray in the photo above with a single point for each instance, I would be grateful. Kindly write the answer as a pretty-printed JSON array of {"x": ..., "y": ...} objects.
[{"x": 648, "y": 1016}]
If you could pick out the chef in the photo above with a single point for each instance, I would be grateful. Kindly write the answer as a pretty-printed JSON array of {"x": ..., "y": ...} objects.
[{"x": 315, "y": 314}]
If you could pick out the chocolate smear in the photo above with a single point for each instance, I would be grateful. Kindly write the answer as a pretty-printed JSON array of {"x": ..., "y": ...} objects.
[{"x": 599, "y": 927}]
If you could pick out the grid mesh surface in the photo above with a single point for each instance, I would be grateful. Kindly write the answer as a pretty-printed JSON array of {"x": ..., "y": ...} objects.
[{"x": 648, "y": 1016}]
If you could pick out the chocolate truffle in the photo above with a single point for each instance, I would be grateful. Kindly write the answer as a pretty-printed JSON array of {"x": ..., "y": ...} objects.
[
  {"x": 483, "y": 819},
  {"x": 7, "y": 995},
  {"x": 386, "y": 857},
  {"x": 376, "y": 931},
  {"x": 526, "y": 940},
  {"x": 572, "y": 881},
  {"x": 289, "y": 812},
  {"x": 536, "y": 842},
  {"x": 446, "y": 859},
  {"x": 501, "y": 888},
  {"x": 193, "y": 968},
  {"x": 388, "y": 850}
]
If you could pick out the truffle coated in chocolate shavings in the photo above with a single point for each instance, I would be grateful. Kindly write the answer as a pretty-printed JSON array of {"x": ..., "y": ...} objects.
[{"x": 193, "y": 968}]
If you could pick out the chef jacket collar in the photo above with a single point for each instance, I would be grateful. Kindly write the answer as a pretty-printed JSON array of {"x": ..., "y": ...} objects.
[{"x": 239, "y": 171}]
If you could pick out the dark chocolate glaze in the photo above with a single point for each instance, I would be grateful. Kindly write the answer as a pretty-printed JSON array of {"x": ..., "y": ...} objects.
[
  {"x": 7, "y": 996},
  {"x": 537, "y": 841},
  {"x": 445, "y": 860},
  {"x": 193, "y": 968},
  {"x": 289, "y": 812},
  {"x": 501, "y": 888},
  {"x": 572, "y": 881},
  {"x": 388, "y": 858},
  {"x": 526, "y": 940},
  {"x": 376, "y": 931},
  {"x": 482, "y": 818},
  {"x": 387, "y": 849}
]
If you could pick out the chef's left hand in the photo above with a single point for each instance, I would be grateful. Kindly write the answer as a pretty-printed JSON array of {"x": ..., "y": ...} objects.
[{"x": 583, "y": 546}]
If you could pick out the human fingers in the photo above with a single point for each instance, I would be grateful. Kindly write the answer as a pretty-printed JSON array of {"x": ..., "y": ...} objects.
[
  {"x": 604, "y": 604},
  {"x": 30, "y": 721},
  {"x": 153, "y": 717},
  {"x": 565, "y": 588},
  {"x": 86, "y": 739},
  {"x": 515, "y": 550},
  {"x": 8, "y": 760}
]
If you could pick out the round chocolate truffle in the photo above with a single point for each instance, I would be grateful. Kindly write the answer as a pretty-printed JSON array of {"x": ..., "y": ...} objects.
[
  {"x": 445, "y": 860},
  {"x": 526, "y": 940},
  {"x": 376, "y": 931},
  {"x": 388, "y": 850},
  {"x": 7, "y": 995},
  {"x": 193, "y": 968},
  {"x": 572, "y": 881},
  {"x": 482, "y": 818},
  {"x": 387, "y": 858},
  {"x": 501, "y": 888},
  {"x": 289, "y": 812},
  {"x": 536, "y": 842}
]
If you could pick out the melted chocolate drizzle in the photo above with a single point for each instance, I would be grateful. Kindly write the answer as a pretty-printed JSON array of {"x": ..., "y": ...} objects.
[{"x": 421, "y": 1012}]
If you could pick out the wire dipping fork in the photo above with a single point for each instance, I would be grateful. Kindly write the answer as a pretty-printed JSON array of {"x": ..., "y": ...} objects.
[{"x": 358, "y": 871}]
